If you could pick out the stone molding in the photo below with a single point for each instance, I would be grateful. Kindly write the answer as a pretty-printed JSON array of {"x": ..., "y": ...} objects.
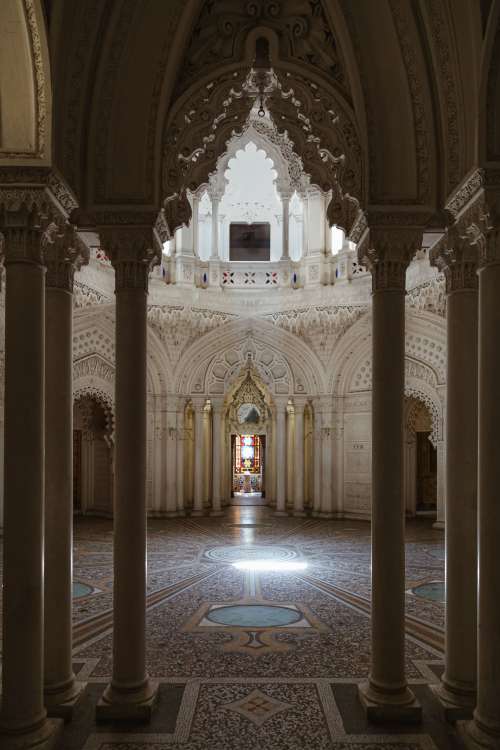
[{"x": 455, "y": 256}]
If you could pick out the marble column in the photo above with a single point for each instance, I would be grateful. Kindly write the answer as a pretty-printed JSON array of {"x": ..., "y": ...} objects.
[
  {"x": 171, "y": 457},
  {"x": 131, "y": 695},
  {"x": 305, "y": 224},
  {"x": 386, "y": 696},
  {"x": 317, "y": 479},
  {"x": 285, "y": 201},
  {"x": 217, "y": 412},
  {"x": 64, "y": 253},
  {"x": 180, "y": 457},
  {"x": 215, "y": 198},
  {"x": 484, "y": 730},
  {"x": 458, "y": 260},
  {"x": 199, "y": 463},
  {"x": 298, "y": 469},
  {"x": 281, "y": 408},
  {"x": 327, "y": 461},
  {"x": 23, "y": 720}
]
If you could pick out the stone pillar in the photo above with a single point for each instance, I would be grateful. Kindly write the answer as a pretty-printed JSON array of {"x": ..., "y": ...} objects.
[
  {"x": 63, "y": 254},
  {"x": 327, "y": 459},
  {"x": 285, "y": 200},
  {"x": 281, "y": 407},
  {"x": 215, "y": 198},
  {"x": 305, "y": 224},
  {"x": 131, "y": 694},
  {"x": 339, "y": 463},
  {"x": 298, "y": 469},
  {"x": 386, "y": 696},
  {"x": 217, "y": 410},
  {"x": 180, "y": 436},
  {"x": 199, "y": 463},
  {"x": 484, "y": 731},
  {"x": 317, "y": 479},
  {"x": 23, "y": 722},
  {"x": 171, "y": 458},
  {"x": 458, "y": 260}
]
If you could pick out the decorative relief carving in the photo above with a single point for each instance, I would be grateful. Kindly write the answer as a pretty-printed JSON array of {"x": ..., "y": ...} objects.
[
  {"x": 320, "y": 326},
  {"x": 178, "y": 326},
  {"x": 85, "y": 296},
  {"x": 304, "y": 34},
  {"x": 465, "y": 193},
  {"x": 93, "y": 340},
  {"x": 131, "y": 251},
  {"x": 93, "y": 366},
  {"x": 387, "y": 251},
  {"x": 412, "y": 389},
  {"x": 270, "y": 366},
  {"x": 429, "y": 296}
]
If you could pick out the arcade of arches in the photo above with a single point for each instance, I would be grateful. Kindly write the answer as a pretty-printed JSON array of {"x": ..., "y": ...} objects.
[{"x": 249, "y": 351}]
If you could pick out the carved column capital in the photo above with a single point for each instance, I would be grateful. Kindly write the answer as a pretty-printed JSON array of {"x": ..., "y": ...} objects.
[
  {"x": 64, "y": 253},
  {"x": 132, "y": 254},
  {"x": 22, "y": 224},
  {"x": 457, "y": 257},
  {"x": 387, "y": 251},
  {"x": 217, "y": 405},
  {"x": 488, "y": 231}
]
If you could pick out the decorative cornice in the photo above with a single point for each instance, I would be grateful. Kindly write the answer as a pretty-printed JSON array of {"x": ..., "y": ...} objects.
[
  {"x": 469, "y": 190},
  {"x": 64, "y": 253},
  {"x": 41, "y": 186}
]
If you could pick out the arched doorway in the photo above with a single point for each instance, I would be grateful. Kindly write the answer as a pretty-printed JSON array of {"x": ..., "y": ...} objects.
[
  {"x": 420, "y": 460},
  {"x": 92, "y": 457}
]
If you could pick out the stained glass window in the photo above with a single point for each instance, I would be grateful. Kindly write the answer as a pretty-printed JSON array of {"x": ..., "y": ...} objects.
[{"x": 247, "y": 453}]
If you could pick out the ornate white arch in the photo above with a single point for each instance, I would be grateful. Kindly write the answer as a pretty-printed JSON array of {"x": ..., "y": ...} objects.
[{"x": 284, "y": 362}]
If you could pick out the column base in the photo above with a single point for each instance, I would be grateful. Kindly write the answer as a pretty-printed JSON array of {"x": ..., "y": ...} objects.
[
  {"x": 137, "y": 705},
  {"x": 299, "y": 514},
  {"x": 386, "y": 707},
  {"x": 326, "y": 515},
  {"x": 438, "y": 525},
  {"x": 316, "y": 514},
  {"x": 197, "y": 513},
  {"x": 62, "y": 705},
  {"x": 280, "y": 513},
  {"x": 171, "y": 514},
  {"x": 181, "y": 514},
  {"x": 44, "y": 737},
  {"x": 475, "y": 737},
  {"x": 455, "y": 705},
  {"x": 216, "y": 513}
]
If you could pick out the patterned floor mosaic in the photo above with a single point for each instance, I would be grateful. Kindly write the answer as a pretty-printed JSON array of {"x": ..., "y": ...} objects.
[{"x": 258, "y": 630}]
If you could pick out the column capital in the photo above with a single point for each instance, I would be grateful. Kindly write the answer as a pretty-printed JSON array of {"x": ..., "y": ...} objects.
[
  {"x": 64, "y": 253},
  {"x": 387, "y": 251},
  {"x": 457, "y": 258},
  {"x": 217, "y": 405},
  {"x": 22, "y": 227},
  {"x": 299, "y": 402},
  {"x": 489, "y": 232},
  {"x": 132, "y": 252},
  {"x": 198, "y": 402},
  {"x": 281, "y": 403}
]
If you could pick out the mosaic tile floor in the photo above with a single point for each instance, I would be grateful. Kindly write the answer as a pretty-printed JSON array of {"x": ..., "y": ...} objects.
[{"x": 258, "y": 630}]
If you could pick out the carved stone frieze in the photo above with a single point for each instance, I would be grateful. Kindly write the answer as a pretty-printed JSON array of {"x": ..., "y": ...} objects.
[
  {"x": 462, "y": 197},
  {"x": 429, "y": 296},
  {"x": 22, "y": 226},
  {"x": 457, "y": 258},
  {"x": 86, "y": 296},
  {"x": 178, "y": 326},
  {"x": 319, "y": 326}
]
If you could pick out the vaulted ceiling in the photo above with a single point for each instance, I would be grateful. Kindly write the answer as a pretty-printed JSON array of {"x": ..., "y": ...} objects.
[{"x": 400, "y": 87}]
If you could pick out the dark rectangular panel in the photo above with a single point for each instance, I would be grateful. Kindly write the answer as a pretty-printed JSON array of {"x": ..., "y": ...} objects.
[{"x": 250, "y": 241}]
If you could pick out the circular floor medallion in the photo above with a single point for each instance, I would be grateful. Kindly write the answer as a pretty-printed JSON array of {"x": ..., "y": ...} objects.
[
  {"x": 254, "y": 616},
  {"x": 81, "y": 589},
  {"x": 231, "y": 554},
  {"x": 434, "y": 590}
]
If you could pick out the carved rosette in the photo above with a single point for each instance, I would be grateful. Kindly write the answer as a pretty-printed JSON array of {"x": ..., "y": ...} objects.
[
  {"x": 132, "y": 254},
  {"x": 64, "y": 254},
  {"x": 387, "y": 253}
]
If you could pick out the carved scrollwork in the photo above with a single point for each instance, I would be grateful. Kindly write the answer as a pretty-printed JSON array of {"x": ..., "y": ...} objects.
[
  {"x": 64, "y": 253},
  {"x": 132, "y": 254},
  {"x": 387, "y": 252}
]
